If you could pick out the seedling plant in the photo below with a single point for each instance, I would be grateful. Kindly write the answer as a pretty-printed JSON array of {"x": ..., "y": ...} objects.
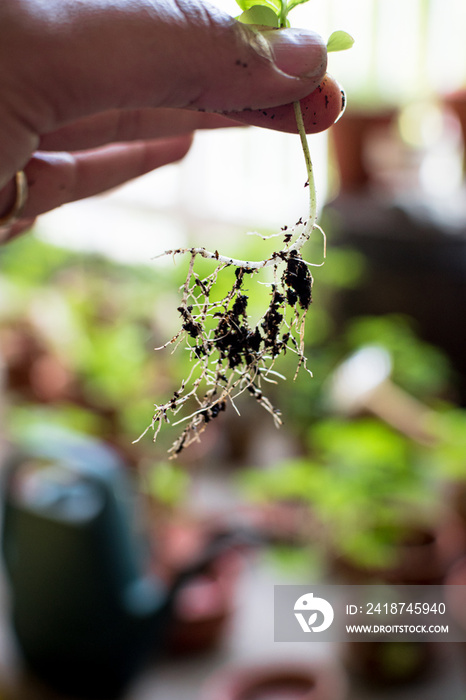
[{"x": 230, "y": 354}]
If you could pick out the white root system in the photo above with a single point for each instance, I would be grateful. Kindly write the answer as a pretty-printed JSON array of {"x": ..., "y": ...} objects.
[{"x": 228, "y": 355}]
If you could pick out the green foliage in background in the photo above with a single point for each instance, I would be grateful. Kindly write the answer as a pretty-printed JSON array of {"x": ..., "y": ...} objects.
[
  {"x": 101, "y": 320},
  {"x": 166, "y": 483},
  {"x": 363, "y": 482},
  {"x": 418, "y": 367}
]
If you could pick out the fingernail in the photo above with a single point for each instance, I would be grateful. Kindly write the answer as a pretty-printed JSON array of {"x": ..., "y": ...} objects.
[{"x": 297, "y": 52}]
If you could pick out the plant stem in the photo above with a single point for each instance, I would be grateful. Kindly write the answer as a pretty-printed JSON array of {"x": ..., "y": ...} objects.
[
  {"x": 305, "y": 235},
  {"x": 283, "y": 14}
]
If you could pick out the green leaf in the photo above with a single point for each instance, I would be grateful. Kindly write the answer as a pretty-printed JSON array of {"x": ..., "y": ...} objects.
[
  {"x": 262, "y": 15},
  {"x": 291, "y": 5},
  {"x": 339, "y": 41},
  {"x": 275, "y": 5}
]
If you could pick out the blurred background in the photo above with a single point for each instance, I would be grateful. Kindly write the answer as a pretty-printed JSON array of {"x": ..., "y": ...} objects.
[{"x": 366, "y": 476}]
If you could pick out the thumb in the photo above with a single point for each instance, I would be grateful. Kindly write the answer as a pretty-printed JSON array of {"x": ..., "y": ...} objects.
[{"x": 88, "y": 56}]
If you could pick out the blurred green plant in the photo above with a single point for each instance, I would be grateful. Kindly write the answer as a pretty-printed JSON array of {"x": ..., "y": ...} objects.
[
  {"x": 363, "y": 482},
  {"x": 418, "y": 367},
  {"x": 30, "y": 416},
  {"x": 448, "y": 454},
  {"x": 99, "y": 321},
  {"x": 166, "y": 483}
]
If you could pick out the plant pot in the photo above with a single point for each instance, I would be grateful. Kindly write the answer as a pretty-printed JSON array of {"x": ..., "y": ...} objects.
[
  {"x": 455, "y": 581},
  {"x": 279, "y": 522},
  {"x": 421, "y": 556},
  {"x": 384, "y": 664},
  {"x": 278, "y": 681},
  {"x": 457, "y": 496},
  {"x": 352, "y": 138},
  {"x": 456, "y": 102},
  {"x": 204, "y": 598},
  {"x": 204, "y": 606}
]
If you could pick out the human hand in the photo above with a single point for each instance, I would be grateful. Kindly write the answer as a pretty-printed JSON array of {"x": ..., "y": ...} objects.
[{"x": 95, "y": 93}]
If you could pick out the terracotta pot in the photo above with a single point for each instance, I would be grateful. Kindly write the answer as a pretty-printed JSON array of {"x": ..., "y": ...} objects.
[
  {"x": 287, "y": 522},
  {"x": 204, "y": 606},
  {"x": 424, "y": 557},
  {"x": 457, "y": 496},
  {"x": 389, "y": 663},
  {"x": 456, "y": 576},
  {"x": 421, "y": 557},
  {"x": 351, "y": 137},
  {"x": 456, "y": 102},
  {"x": 202, "y": 563},
  {"x": 278, "y": 681},
  {"x": 455, "y": 596}
]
